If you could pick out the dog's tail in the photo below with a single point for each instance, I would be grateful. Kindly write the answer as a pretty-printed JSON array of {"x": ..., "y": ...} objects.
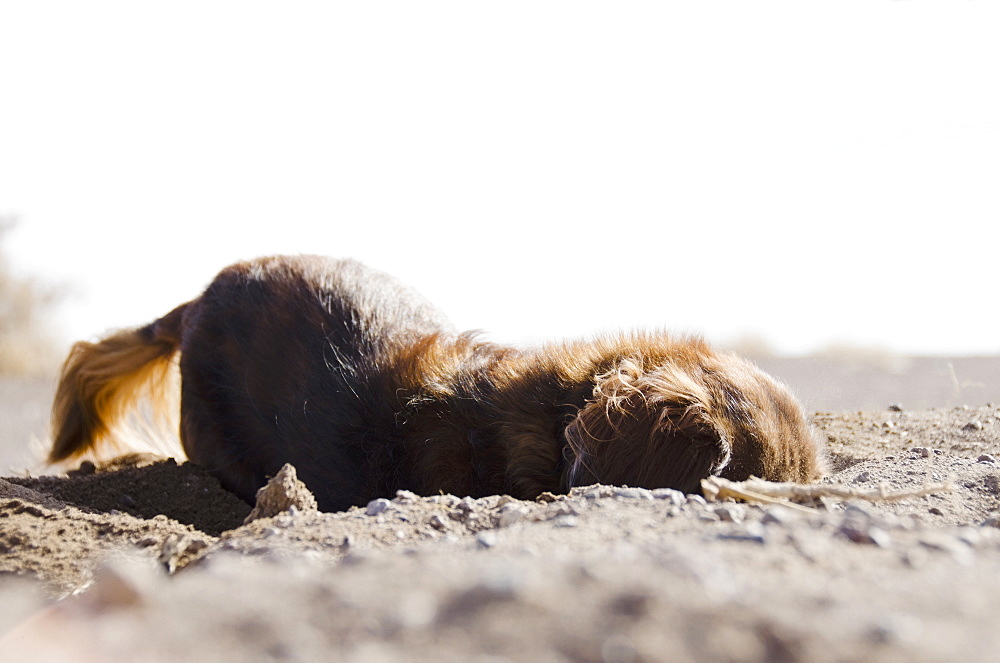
[{"x": 102, "y": 385}]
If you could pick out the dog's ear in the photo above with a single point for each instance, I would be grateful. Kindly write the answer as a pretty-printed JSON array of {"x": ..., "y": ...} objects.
[{"x": 649, "y": 429}]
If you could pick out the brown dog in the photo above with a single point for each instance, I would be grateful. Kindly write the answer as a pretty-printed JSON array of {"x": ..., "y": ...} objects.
[{"x": 365, "y": 389}]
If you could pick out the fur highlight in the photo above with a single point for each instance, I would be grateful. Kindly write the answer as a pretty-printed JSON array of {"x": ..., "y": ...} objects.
[{"x": 119, "y": 394}]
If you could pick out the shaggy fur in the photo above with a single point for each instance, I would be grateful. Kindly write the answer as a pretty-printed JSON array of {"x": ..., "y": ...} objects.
[{"x": 366, "y": 389}]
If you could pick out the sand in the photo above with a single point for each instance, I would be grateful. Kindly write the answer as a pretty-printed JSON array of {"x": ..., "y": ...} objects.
[{"x": 154, "y": 563}]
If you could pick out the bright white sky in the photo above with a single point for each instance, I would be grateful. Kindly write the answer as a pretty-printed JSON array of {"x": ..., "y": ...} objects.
[{"x": 807, "y": 171}]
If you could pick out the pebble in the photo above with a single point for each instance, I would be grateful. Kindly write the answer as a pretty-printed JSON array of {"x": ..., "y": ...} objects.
[
  {"x": 855, "y": 510},
  {"x": 970, "y": 536},
  {"x": 779, "y": 515},
  {"x": 566, "y": 521},
  {"x": 592, "y": 492},
  {"x": 753, "y": 532},
  {"x": 486, "y": 539},
  {"x": 696, "y": 499},
  {"x": 858, "y": 527},
  {"x": 986, "y": 458},
  {"x": 377, "y": 506},
  {"x": 973, "y": 426},
  {"x": 564, "y": 509},
  {"x": 634, "y": 493},
  {"x": 946, "y": 544},
  {"x": 510, "y": 514},
  {"x": 863, "y": 477},
  {"x": 728, "y": 513},
  {"x": 923, "y": 452},
  {"x": 895, "y": 407},
  {"x": 674, "y": 497},
  {"x": 869, "y": 534},
  {"x": 405, "y": 497},
  {"x": 437, "y": 522}
]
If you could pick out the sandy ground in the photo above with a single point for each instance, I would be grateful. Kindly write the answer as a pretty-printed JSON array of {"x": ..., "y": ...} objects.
[{"x": 155, "y": 563}]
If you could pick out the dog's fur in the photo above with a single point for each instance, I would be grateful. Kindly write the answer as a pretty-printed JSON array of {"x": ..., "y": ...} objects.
[{"x": 365, "y": 389}]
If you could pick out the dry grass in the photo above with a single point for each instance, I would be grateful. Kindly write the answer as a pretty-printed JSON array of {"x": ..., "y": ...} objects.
[{"x": 26, "y": 344}]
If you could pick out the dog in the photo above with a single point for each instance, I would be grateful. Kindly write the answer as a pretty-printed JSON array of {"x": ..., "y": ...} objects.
[{"x": 366, "y": 389}]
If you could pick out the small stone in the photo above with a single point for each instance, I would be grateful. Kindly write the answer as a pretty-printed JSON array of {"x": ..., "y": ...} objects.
[
  {"x": 510, "y": 514},
  {"x": 986, "y": 458},
  {"x": 405, "y": 497},
  {"x": 972, "y": 426},
  {"x": 868, "y": 534},
  {"x": 634, "y": 493},
  {"x": 936, "y": 511},
  {"x": 437, "y": 522},
  {"x": 855, "y": 510},
  {"x": 486, "y": 539},
  {"x": 863, "y": 477},
  {"x": 992, "y": 521},
  {"x": 696, "y": 499},
  {"x": 728, "y": 513},
  {"x": 779, "y": 515},
  {"x": 879, "y": 537},
  {"x": 674, "y": 497},
  {"x": 753, "y": 532},
  {"x": 895, "y": 407},
  {"x": 943, "y": 543},
  {"x": 591, "y": 492},
  {"x": 566, "y": 521},
  {"x": 563, "y": 509},
  {"x": 923, "y": 452},
  {"x": 970, "y": 536},
  {"x": 375, "y": 507}
]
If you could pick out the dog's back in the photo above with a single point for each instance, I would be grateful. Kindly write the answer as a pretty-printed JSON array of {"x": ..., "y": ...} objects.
[{"x": 284, "y": 360}]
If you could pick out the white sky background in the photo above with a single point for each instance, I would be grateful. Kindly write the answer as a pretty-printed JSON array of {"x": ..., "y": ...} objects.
[{"x": 807, "y": 171}]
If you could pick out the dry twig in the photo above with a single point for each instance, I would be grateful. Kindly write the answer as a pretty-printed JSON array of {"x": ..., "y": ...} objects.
[{"x": 786, "y": 494}]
